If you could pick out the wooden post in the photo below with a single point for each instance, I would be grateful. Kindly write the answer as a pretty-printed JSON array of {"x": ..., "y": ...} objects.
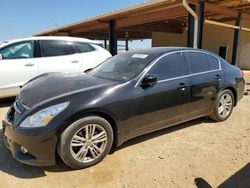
[
  {"x": 201, "y": 22},
  {"x": 190, "y": 39},
  {"x": 236, "y": 39},
  {"x": 112, "y": 37}
]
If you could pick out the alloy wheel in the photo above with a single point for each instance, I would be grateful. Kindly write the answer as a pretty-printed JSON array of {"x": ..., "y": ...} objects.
[
  {"x": 89, "y": 143},
  {"x": 225, "y": 105}
]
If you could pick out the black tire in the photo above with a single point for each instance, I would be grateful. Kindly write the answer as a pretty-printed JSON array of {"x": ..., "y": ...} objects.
[
  {"x": 216, "y": 116},
  {"x": 64, "y": 146}
]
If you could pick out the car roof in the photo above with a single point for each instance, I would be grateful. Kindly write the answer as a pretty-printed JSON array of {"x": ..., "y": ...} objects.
[
  {"x": 163, "y": 50},
  {"x": 52, "y": 38},
  {"x": 157, "y": 51}
]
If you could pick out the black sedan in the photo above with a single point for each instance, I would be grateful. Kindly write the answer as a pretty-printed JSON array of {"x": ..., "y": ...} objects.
[{"x": 82, "y": 116}]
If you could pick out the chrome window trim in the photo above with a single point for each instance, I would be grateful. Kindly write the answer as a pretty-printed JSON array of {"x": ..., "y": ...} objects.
[
  {"x": 184, "y": 76},
  {"x": 188, "y": 75}
]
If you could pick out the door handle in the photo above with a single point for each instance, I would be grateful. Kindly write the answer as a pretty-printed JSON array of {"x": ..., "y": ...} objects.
[
  {"x": 29, "y": 65},
  {"x": 182, "y": 86},
  {"x": 217, "y": 77},
  {"x": 75, "y": 61}
]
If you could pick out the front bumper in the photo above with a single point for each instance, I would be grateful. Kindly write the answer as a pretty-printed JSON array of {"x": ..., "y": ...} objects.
[{"x": 41, "y": 146}]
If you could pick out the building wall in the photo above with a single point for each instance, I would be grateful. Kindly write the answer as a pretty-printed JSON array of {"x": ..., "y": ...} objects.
[
  {"x": 169, "y": 39},
  {"x": 213, "y": 38}
]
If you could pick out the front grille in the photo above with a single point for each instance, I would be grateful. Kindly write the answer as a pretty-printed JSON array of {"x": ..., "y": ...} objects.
[{"x": 11, "y": 114}]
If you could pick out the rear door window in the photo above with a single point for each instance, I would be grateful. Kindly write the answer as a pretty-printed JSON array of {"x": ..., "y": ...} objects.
[
  {"x": 170, "y": 66},
  {"x": 198, "y": 62},
  {"x": 82, "y": 47},
  {"x": 214, "y": 62},
  {"x": 50, "y": 48}
]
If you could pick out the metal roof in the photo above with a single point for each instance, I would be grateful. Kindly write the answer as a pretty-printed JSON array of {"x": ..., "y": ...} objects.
[
  {"x": 108, "y": 15},
  {"x": 139, "y": 21}
]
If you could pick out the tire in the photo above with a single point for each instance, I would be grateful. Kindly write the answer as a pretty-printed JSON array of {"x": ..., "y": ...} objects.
[
  {"x": 81, "y": 147},
  {"x": 223, "y": 110}
]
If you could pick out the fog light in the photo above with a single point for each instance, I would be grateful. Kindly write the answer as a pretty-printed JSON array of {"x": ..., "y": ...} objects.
[{"x": 24, "y": 150}]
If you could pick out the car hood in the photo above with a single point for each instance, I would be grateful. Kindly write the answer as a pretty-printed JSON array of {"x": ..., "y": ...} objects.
[{"x": 50, "y": 86}]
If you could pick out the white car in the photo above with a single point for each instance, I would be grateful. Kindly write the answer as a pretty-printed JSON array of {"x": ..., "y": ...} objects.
[{"x": 23, "y": 59}]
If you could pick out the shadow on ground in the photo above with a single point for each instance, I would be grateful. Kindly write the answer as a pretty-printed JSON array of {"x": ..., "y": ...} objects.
[
  {"x": 165, "y": 131},
  {"x": 240, "y": 179},
  {"x": 12, "y": 167}
]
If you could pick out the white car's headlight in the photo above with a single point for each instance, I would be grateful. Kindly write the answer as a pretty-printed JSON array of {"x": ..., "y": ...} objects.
[{"x": 44, "y": 116}]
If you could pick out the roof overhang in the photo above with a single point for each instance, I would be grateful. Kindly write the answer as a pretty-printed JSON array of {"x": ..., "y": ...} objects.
[{"x": 138, "y": 22}]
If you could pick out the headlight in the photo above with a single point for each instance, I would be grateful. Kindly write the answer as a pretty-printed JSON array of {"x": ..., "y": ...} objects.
[{"x": 43, "y": 117}]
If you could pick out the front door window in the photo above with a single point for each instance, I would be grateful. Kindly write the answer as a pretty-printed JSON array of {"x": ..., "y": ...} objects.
[{"x": 21, "y": 50}]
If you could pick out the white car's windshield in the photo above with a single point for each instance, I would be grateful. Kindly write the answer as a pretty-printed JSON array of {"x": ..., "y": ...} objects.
[{"x": 123, "y": 67}]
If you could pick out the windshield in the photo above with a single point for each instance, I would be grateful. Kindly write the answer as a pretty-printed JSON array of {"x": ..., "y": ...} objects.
[{"x": 123, "y": 67}]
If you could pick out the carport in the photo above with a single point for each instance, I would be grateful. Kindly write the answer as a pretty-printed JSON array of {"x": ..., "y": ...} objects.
[{"x": 168, "y": 16}]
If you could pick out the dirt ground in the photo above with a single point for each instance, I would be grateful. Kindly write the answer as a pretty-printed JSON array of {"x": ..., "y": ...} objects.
[{"x": 198, "y": 153}]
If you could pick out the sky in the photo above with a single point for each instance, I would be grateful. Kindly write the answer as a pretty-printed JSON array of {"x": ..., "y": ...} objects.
[{"x": 23, "y": 18}]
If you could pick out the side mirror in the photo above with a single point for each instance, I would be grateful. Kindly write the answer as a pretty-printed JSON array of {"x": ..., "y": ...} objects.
[
  {"x": 149, "y": 81},
  {"x": 1, "y": 56}
]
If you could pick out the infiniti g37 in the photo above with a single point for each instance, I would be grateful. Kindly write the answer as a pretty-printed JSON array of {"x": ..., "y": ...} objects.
[{"x": 82, "y": 116}]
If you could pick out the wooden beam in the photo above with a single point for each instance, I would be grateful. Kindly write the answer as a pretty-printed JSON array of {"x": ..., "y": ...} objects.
[
  {"x": 61, "y": 33},
  {"x": 221, "y": 24},
  {"x": 227, "y": 12},
  {"x": 155, "y": 28},
  {"x": 221, "y": 10},
  {"x": 153, "y": 6},
  {"x": 121, "y": 35},
  {"x": 148, "y": 18},
  {"x": 165, "y": 6},
  {"x": 96, "y": 26},
  {"x": 135, "y": 20}
]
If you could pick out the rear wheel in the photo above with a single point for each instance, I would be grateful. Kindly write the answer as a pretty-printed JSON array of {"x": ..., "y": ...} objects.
[
  {"x": 224, "y": 106},
  {"x": 85, "y": 142}
]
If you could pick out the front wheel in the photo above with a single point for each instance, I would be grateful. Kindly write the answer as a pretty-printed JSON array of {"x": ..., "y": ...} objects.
[
  {"x": 224, "y": 106},
  {"x": 85, "y": 142}
]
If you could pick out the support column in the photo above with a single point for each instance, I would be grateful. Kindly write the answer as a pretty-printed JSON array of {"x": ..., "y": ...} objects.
[
  {"x": 236, "y": 39},
  {"x": 105, "y": 44},
  {"x": 201, "y": 22},
  {"x": 190, "y": 39},
  {"x": 112, "y": 37},
  {"x": 126, "y": 45}
]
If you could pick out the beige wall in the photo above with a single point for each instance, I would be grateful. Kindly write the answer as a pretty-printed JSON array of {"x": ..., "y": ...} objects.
[
  {"x": 213, "y": 37},
  {"x": 168, "y": 39}
]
